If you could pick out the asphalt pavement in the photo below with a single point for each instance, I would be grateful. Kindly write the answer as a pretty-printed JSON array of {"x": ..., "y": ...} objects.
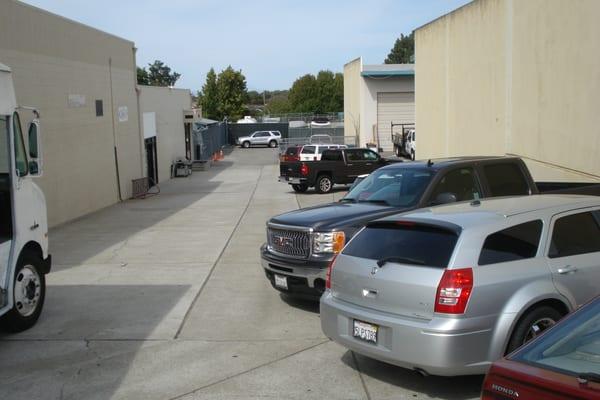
[{"x": 165, "y": 298}]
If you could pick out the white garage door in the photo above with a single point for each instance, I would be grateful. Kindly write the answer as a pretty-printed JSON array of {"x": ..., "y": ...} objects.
[{"x": 393, "y": 107}]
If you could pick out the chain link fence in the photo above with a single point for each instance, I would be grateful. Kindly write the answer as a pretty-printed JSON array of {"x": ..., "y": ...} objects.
[{"x": 208, "y": 140}]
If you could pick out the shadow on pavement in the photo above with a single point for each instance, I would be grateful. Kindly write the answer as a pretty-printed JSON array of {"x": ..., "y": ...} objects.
[
  {"x": 304, "y": 304},
  {"x": 448, "y": 388},
  {"x": 74, "y": 341}
]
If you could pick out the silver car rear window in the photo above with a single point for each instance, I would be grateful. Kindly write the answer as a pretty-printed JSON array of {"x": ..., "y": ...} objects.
[{"x": 413, "y": 243}]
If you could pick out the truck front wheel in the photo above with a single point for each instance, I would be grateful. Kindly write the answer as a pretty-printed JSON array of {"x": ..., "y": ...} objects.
[
  {"x": 324, "y": 184},
  {"x": 29, "y": 291}
]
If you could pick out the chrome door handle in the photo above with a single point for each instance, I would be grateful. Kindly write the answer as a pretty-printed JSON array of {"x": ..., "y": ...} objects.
[{"x": 567, "y": 269}]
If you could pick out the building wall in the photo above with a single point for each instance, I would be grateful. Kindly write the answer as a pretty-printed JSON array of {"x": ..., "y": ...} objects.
[
  {"x": 62, "y": 67},
  {"x": 370, "y": 88},
  {"x": 352, "y": 97},
  {"x": 168, "y": 105},
  {"x": 513, "y": 77},
  {"x": 360, "y": 100}
]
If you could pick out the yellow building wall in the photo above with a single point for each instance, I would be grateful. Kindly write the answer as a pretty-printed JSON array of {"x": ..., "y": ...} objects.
[
  {"x": 62, "y": 67},
  {"x": 168, "y": 105},
  {"x": 352, "y": 96},
  {"x": 513, "y": 77}
]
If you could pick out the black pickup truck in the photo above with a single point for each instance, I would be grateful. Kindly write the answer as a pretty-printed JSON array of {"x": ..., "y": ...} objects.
[
  {"x": 340, "y": 166},
  {"x": 301, "y": 244}
]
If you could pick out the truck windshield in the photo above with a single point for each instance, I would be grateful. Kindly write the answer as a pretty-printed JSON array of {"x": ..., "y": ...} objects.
[
  {"x": 397, "y": 187},
  {"x": 4, "y": 158}
]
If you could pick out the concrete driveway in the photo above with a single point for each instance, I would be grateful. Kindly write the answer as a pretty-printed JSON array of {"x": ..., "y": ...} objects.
[{"x": 165, "y": 298}]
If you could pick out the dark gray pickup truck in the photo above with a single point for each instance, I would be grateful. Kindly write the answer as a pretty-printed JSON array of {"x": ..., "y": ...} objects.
[
  {"x": 340, "y": 166},
  {"x": 301, "y": 244}
]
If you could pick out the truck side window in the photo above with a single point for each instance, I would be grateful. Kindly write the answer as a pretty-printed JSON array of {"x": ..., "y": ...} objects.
[
  {"x": 461, "y": 183},
  {"x": 505, "y": 179},
  {"x": 20, "y": 155},
  {"x": 575, "y": 234},
  {"x": 515, "y": 243}
]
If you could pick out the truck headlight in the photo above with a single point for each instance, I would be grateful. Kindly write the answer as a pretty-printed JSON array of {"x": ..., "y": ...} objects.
[{"x": 328, "y": 242}]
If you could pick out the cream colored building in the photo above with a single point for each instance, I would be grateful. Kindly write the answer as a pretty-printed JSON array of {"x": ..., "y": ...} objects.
[
  {"x": 513, "y": 77},
  {"x": 162, "y": 112},
  {"x": 375, "y": 96}
]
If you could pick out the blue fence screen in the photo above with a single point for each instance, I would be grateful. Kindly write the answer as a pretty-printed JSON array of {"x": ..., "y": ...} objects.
[{"x": 208, "y": 140}]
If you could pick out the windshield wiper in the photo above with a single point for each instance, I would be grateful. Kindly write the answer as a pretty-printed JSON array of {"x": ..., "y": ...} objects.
[
  {"x": 347, "y": 200},
  {"x": 588, "y": 376},
  {"x": 384, "y": 202},
  {"x": 405, "y": 260}
]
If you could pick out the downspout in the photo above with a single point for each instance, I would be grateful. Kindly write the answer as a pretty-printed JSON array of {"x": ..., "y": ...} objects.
[{"x": 112, "y": 108}]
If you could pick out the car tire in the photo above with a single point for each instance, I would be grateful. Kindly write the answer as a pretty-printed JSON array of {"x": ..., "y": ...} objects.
[
  {"x": 300, "y": 188},
  {"x": 246, "y": 144},
  {"x": 29, "y": 292},
  {"x": 273, "y": 144},
  {"x": 397, "y": 151},
  {"x": 412, "y": 155},
  {"x": 531, "y": 325},
  {"x": 324, "y": 184}
]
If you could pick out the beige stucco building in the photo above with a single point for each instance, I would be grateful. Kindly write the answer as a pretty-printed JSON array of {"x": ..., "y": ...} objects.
[
  {"x": 64, "y": 68},
  {"x": 162, "y": 112},
  {"x": 513, "y": 77},
  {"x": 83, "y": 81},
  {"x": 374, "y": 97}
]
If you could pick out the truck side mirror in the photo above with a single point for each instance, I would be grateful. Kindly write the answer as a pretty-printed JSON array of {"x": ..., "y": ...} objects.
[{"x": 35, "y": 148}]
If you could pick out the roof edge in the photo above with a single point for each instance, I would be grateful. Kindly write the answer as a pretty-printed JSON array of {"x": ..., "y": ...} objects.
[{"x": 445, "y": 15}]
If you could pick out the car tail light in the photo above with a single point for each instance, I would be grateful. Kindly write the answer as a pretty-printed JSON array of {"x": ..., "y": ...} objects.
[
  {"x": 304, "y": 169},
  {"x": 454, "y": 291},
  {"x": 329, "y": 271}
]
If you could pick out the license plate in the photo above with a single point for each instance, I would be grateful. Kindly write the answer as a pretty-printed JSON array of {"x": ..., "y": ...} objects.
[
  {"x": 281, "y": 281},
  {"x": 365, "y": 331}
]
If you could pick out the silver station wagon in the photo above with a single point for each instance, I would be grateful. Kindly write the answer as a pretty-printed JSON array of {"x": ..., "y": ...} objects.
[{"x": 448, "y": 290}]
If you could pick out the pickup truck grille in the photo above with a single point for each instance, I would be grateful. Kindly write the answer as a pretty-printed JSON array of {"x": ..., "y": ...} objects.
[{"x": 289, "y": 242}]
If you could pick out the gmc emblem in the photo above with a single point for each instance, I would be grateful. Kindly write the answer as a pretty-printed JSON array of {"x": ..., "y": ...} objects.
[{"x": 282, "y": 241}]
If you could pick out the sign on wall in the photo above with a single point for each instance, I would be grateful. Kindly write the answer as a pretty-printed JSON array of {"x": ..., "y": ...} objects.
[
  {"x": 123, "y": 114},
  {"x": 149, "y": 123},
  {"x": 76, "y": 101}
]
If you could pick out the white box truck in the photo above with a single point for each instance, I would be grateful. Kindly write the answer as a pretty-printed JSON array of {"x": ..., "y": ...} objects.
[{"x": 24, "y": 258}]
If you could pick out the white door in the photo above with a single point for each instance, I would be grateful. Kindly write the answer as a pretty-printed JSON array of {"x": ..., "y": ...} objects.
[
  {"x": 5, "y": 201},
  {"x": 397, "y": 107}
]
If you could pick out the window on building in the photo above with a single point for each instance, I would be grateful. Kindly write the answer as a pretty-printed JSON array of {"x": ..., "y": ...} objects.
[{"x": 99, "y": 108}]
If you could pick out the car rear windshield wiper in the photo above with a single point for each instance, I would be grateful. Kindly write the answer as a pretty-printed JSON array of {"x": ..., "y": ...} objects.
[
  {"x": 588, "y": 376},
  {"x": 404, "y": 260}
]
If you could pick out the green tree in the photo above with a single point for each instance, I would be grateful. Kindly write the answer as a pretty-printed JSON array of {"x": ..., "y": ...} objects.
[
  {"x": 320, "y": 94},
  {"x": 209, "y": 98},
  {"x": 142, "y": 76},
  {"x": 403, "y": 50},
  {"x": 231, "y": 93},
  {"x": 159, "y": 74},
  {"x": 303, "y": 94}
]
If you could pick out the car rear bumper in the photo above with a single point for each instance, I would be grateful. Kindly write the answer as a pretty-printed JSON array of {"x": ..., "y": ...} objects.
[
  {"x": 306, "y": 278},
  {"x": 292, "y": 181},
  {"x": 440, "y": 346}
]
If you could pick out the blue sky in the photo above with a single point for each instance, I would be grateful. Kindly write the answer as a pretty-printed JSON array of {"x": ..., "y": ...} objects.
[{"x": 272, "y": 42}]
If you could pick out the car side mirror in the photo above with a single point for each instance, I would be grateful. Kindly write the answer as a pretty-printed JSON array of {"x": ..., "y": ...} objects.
[
  {"x": 444, "y": 198},
  {"x": 35, "y": 148}
]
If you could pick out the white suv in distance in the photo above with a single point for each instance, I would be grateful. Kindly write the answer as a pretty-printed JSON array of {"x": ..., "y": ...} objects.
[
  {"x": 260, "y": 138},
  {"x": 448, "y": 290},
  {"x": 313, "y": 152}
]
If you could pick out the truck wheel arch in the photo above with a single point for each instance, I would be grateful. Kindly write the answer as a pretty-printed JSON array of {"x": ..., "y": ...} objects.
[{"x": 35, "y": 249}]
